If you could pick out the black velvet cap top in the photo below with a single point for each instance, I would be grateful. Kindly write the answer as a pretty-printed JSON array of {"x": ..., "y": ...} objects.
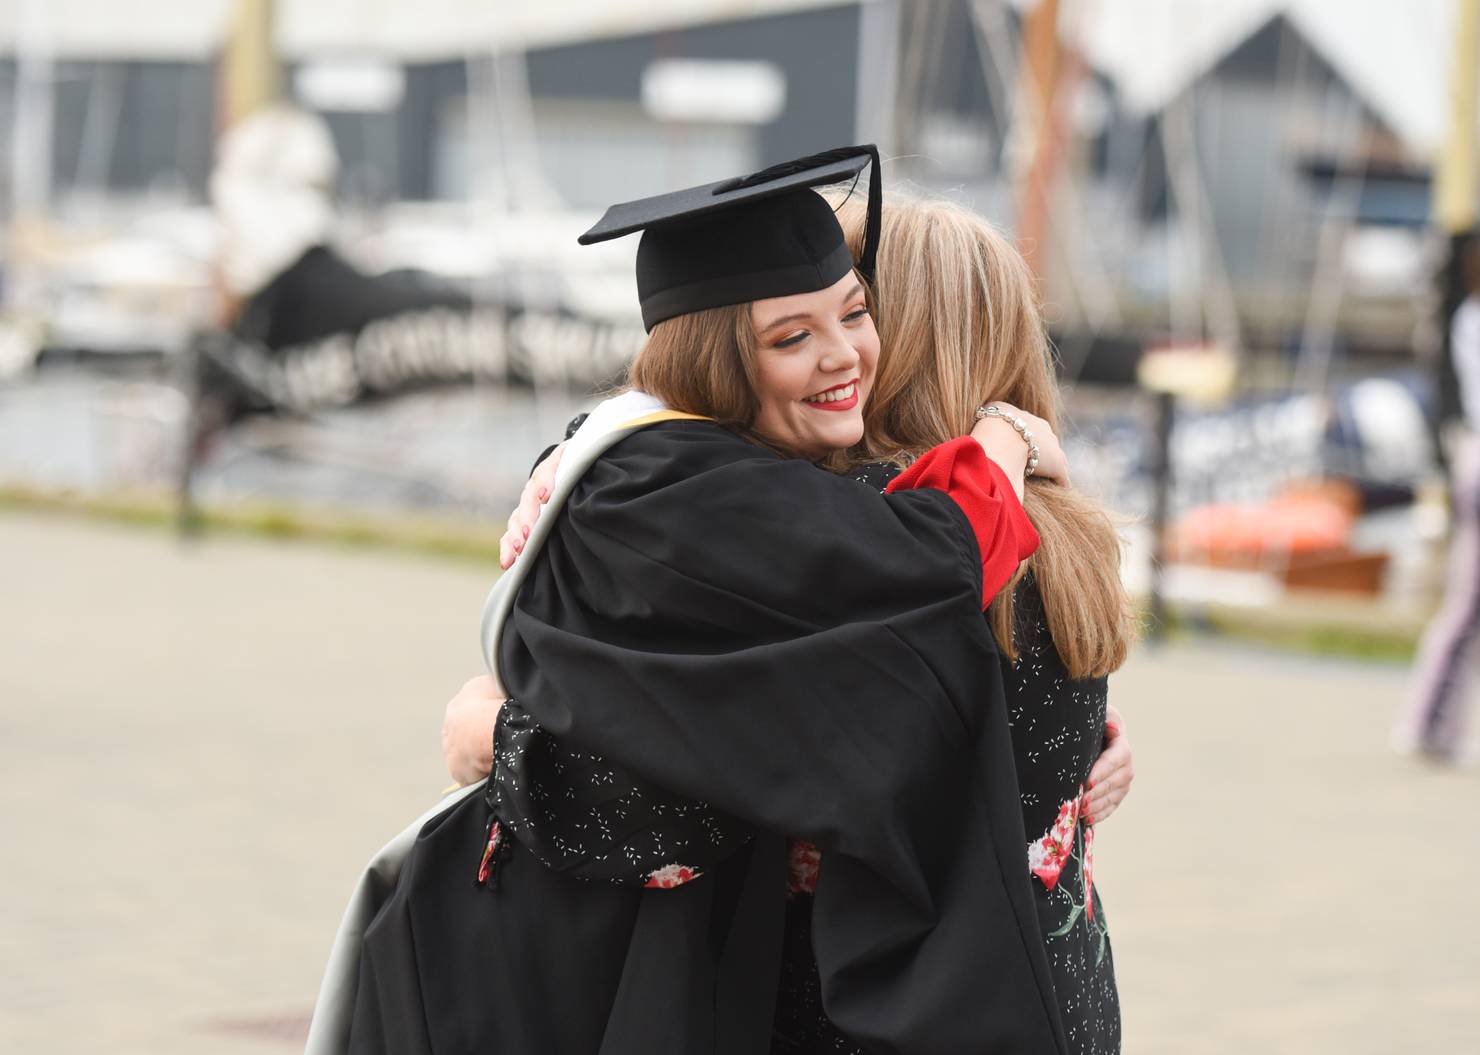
[{"x": 763, "y": 235}]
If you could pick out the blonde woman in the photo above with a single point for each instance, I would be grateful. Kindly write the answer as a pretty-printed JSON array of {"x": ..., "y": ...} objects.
[{"x": 960, "y": 325}]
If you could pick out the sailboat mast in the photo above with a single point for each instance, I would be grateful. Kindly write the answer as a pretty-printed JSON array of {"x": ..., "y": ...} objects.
[
  {"x": 250, "y": 77},
  {"x": 1455, "y": 176},
  {"x": 1043, "y": 71},
  {"x": 35, "y": 105},
  {"x": 1455, "y": 191}
]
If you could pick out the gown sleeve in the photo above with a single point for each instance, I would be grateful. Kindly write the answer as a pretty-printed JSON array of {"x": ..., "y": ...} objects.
[
  {"x": 592, "y": 820},
  {"x": 788, "y": 647}
]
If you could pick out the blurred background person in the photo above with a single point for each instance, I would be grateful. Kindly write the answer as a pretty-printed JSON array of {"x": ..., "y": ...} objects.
[{"x": 1432, "y": 722}]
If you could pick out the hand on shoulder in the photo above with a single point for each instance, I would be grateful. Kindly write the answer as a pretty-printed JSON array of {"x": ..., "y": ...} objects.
[{"x": 536, "y": 493}]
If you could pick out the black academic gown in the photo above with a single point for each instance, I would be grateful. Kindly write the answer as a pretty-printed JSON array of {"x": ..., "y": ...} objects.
[{"x": 785, "y": 645}]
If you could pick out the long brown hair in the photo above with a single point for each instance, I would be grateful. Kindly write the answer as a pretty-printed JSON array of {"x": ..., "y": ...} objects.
[
  {"x": 959, "y": 326},
  {"x": 702, "y": 363}
]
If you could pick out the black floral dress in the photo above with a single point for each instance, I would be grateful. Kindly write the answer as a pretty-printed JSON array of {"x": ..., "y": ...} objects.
[
  {"x": 583, "y": 816},
  {"x": 1058, "y": 726}
]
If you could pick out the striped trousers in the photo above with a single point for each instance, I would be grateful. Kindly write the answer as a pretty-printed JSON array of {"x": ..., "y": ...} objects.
[{"x": 1433, "y": 718}]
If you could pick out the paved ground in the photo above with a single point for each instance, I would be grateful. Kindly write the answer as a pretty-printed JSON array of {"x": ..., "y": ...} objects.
[{"x": 198, "y": 748}]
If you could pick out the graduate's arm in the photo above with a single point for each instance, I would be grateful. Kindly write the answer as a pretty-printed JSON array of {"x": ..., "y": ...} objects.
[
  {"x": 754, "y": 632},
  {"x": 781, "y": 534}
]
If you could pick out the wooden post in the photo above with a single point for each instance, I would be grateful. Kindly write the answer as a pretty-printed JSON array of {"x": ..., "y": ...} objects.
[
  {"x": 250, "y": 77},
  {"x": 1042, "y": 69},
  {"x": 1455, "y": 181},
  {"x": 1454, "y": 195},
  {"x": 1161, "y": 477}
]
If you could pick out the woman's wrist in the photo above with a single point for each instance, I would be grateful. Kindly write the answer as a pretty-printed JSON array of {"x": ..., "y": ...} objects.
[
  {"x": 1031, "y": 453},
  {"x": 1001, "y": 444},
  {"x": 1021, "y": 444}
]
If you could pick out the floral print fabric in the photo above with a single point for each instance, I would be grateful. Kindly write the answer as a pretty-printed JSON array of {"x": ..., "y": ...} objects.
[{"x": 1058, "y": 728}]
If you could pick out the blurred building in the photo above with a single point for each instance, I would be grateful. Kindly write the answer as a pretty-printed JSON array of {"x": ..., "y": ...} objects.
[
  {"x": 1250, "y": 172},
  {"x": 679, "y": 89},
  {"x": 1250, "y": 176}
]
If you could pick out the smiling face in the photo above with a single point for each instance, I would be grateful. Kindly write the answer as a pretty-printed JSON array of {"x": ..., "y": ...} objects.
[{"x": 814, "y": 364}]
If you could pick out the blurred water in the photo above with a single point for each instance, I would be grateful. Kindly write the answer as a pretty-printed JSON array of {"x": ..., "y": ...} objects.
[
  {"x": 466, "y": 449},
  {"x": 89, "y": 432}
]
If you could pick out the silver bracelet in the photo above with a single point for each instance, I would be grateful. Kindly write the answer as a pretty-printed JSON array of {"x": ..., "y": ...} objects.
[{"x": 991, "y": 411}]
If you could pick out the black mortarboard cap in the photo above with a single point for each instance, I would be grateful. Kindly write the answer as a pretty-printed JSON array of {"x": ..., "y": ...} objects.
[{"x": 763, "y": 235}]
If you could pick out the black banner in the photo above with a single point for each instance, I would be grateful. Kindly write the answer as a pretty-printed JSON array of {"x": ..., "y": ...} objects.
[{"x": 323, "y": 334}]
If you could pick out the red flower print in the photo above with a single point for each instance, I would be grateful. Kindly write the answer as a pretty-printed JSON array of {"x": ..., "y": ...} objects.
[
  {"x": 803, "y": 861},
  {"x": 1047, "y": 856},
  {"x": 670, "y": 876},
  {"x": 1089, "y": 871},
  {"x": 495, "y": 839}
]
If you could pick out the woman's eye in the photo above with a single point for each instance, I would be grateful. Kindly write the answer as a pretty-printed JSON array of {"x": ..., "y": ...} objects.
[
  {"x": 855, "y": 315},
  {"x": 793, "y": 340}
]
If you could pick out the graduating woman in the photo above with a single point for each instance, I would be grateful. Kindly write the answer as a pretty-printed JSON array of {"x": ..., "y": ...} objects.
[
  {"x": 716, "y": 616},
  {"x": 1062, "y": 625}
]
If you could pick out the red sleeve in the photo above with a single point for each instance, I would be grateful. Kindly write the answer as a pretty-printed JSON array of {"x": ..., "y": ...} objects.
[{"x": 979, "y": 486}]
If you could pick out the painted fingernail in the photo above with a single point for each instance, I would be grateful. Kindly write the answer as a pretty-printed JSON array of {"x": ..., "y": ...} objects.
[
  {"x": 526, "y": 532},
  {"x": 544, "y": 493}
]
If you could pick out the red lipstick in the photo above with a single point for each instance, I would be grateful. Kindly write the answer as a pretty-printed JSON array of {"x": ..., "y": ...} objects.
[{"x": 837, "y": 404}]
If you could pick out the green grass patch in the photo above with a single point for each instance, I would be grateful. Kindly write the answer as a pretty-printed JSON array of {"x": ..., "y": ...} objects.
[
  {"x": 1295, "y": 631},
  {"x": 452, "y": 538}
]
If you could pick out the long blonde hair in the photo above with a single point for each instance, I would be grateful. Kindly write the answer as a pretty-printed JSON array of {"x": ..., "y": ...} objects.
[{"x": 959, "y": 326}]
